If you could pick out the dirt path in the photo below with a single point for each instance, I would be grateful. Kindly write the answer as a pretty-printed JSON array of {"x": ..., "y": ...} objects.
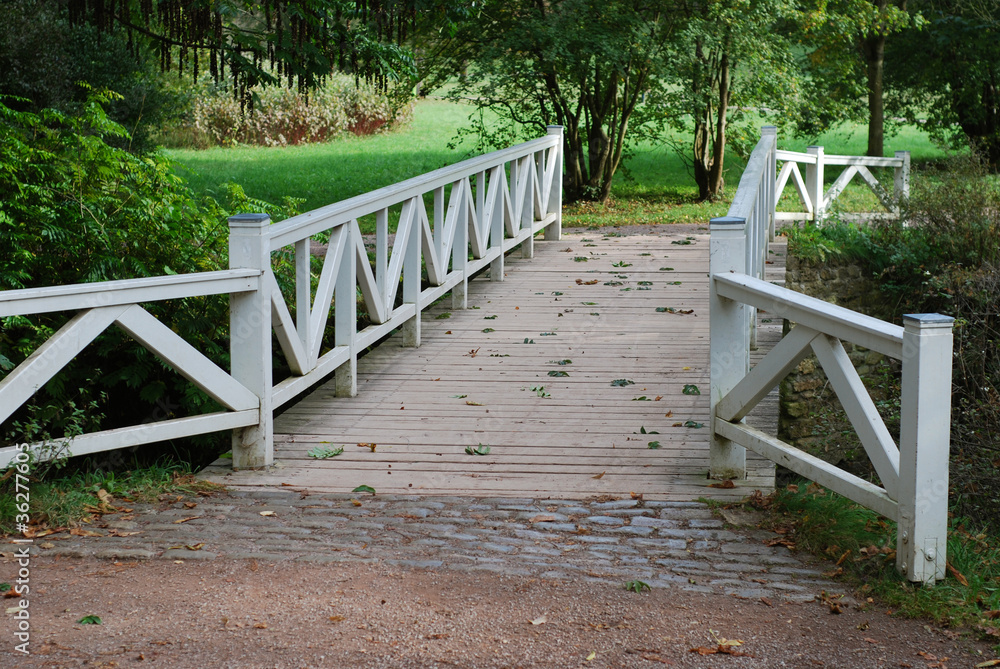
[{"x": 246, "y": 613}]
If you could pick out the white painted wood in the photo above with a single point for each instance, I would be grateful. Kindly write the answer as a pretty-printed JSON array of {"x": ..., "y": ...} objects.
[
  {"x": 27, "y": 301},
  {"x": 303, "y": 295},
  {"x": 293, "y": 386},
  {"x": 925, "y": 432},
  {"x": 185, "y": 359},
  {"x": 552, "y": 190},
  {"x": 250, "y": 338},
  {"x": 901, "y": 180},
  {"x": 814, "y": 181},
  {"x": 827, "y": 475},
  {"x": 876, "y": 187},
  {"x": 330, "y": 216},
  {"x": 24, "y": 380},
  {"x": 812, "y": 312},
  {"x": 148, "y": 433},
  {"x": 729, "y": 345},
  {"x": 320, "y": 313},
  {"x": 860, "y": 410},
  {"x": 284, "y": 329},
  {"x": 868, "y": 161},
  {"x": 796, "y": 157},
  {"x": 790, "y": 169},
  {"x": 345, "y": 316},
  {"x": 775, "y": 366}
]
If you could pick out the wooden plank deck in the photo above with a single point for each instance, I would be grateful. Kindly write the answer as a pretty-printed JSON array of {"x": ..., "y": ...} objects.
[{"x": 481, "y": 377}]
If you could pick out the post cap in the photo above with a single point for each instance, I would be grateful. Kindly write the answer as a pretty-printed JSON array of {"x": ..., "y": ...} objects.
[
  {"x": 249, "y": 221},
  {"x": 769, "y": 130},
  {"x": 925, "y": 321},
  {"x": 727, "y": 222}
]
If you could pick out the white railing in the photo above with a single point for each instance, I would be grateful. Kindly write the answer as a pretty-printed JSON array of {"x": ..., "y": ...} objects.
[
  {"x": 914, "y": 475},
  {"x": 481, "y": 208},
  {"x": 817, "y": 200}
]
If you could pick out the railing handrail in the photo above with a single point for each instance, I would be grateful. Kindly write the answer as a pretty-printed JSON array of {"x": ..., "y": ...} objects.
[
  {"x": 28, "y": 301},
  {"x": 835, "y": 159},
  {"x": 832, "y": 319},
  {"x": 318, "y": 220}
]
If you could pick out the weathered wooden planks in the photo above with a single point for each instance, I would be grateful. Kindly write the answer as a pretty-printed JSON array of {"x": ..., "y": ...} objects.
[{"x": 568, "y": 436}]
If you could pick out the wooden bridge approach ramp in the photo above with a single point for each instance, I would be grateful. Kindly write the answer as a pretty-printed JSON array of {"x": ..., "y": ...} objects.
[{"x": 583, "y": 373}]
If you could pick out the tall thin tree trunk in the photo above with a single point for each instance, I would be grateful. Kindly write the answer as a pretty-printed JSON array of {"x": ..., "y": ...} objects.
[
  {"x": 873, "y": 47},
  {"x": 716, "y": 180}
]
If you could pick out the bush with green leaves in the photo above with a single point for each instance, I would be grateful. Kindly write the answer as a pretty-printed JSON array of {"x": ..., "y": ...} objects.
[
  {"x": 943, "y": 256},
  {"x": 74, "y": 208},
  {"x": 284, "y": 116}
]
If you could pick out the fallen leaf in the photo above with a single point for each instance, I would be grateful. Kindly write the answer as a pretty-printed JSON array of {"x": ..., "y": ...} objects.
[
  {"x": 767, "y": 601},
  {"x": 368, "y": 446},
  {"x": 474, "y": 404},
  {"x": 184, "y": 520},
  {"x": 355, "y": 502},
  {"x": 190, "y": 505},
  {"x": 196, "y": 547},
  {"x": 337, "y": 619},
  {"x": 104, "y": 496},
  {"x": 542, "y": 519},
  {"x": 988, "y": 663},
  {"x": 581, "y": 282},
  {"x": 599, "y": 476},
  {"x": 260, "y": 626},
  {"x": 540, "y": 620},
  {"x": 120, "y": 533},
  {"x": 267, "y": 513},
  {"x": 958, "y": 576},
  {"x": 592, "y": 655},
  {"x": 437, "y": 635},
  {"x": 722, "y": 484},
  {"x": 721, "y": 649},
  {"x": 77, "y": 532},
  {"x": 651, "y": 657}
]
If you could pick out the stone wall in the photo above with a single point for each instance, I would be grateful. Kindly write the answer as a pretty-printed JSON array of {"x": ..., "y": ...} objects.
[{"x": 811, "y": 416}]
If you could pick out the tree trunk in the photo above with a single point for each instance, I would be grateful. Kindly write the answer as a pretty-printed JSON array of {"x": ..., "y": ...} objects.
[
  {"x": 716, "y": 178},
  {"x": 873, "y": 47}
]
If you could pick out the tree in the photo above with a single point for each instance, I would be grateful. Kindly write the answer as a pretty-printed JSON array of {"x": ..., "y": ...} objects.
[
  {"x": 584, "y": 64},
  {"x": 263, "y": 43},
  {"x": 730, "y": 59},
  {"x": 846, "y": 42},
  {"x": 951, "y": 74}
]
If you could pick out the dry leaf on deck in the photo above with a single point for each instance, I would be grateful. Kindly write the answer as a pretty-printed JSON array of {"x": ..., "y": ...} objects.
[
  {"x": 599, "y": 476},
  {"x": 77, "y": 532},
  {"x": 722, "y": 484}
]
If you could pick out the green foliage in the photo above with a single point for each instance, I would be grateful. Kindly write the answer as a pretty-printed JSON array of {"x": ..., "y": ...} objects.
[
  {"x": 47, "y": 61},
  {"x": 477, "y": 450},
  {"x": 74, "y": 208},
  {"x": 90, "y": 620},
  {"x": 584, "y": 64},
  {"x": 637, "y": 586},
  {"x": 943, "y": 74},
  {"x": 942, "y": 256},
  {"x": 863, "y": 543},
  {"x": 325, "y": 452}
]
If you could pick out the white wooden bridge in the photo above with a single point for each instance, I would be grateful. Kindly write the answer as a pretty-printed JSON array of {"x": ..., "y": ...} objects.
[{"x": 613, "y": 365}]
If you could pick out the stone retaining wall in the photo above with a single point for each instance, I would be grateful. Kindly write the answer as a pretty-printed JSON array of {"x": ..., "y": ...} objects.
[{"x": 811, "y": 416}]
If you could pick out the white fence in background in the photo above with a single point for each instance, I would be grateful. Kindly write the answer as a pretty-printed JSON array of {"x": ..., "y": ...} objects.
[
  {"x": 817, "y": 200},
  {"x": 914, "y": 474},
  {"x": 481, "y": 208}
]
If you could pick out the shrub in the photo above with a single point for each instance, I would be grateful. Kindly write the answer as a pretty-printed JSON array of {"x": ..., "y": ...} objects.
[
  {"x": 283, "y": 117},
  {"x": 943, "y": 256},
  {"x": 74, "y": 208}
]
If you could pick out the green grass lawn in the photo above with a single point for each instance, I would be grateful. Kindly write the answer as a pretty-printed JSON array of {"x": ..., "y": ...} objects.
[{"x": 653, "y": 187}]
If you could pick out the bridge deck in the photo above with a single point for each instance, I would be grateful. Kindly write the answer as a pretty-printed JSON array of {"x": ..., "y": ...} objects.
[{"x": 482, "y": 377}]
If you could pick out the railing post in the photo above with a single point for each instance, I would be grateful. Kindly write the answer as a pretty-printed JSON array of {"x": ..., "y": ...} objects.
[
  {"x": 250, "y": 338},
  {"x": 771, "y": 178},
  {"x": 554, "y": 230},
  {"x": 345, "y": 317},
  {"x": 901, "y": 180},
  {"x": 814, "y": 183},
  {"x": 411, "y": 286},
  {"x": 729, "y": 339},
  {"x": 924, "y": 442},
  {"x": 460, "y": 246}
]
